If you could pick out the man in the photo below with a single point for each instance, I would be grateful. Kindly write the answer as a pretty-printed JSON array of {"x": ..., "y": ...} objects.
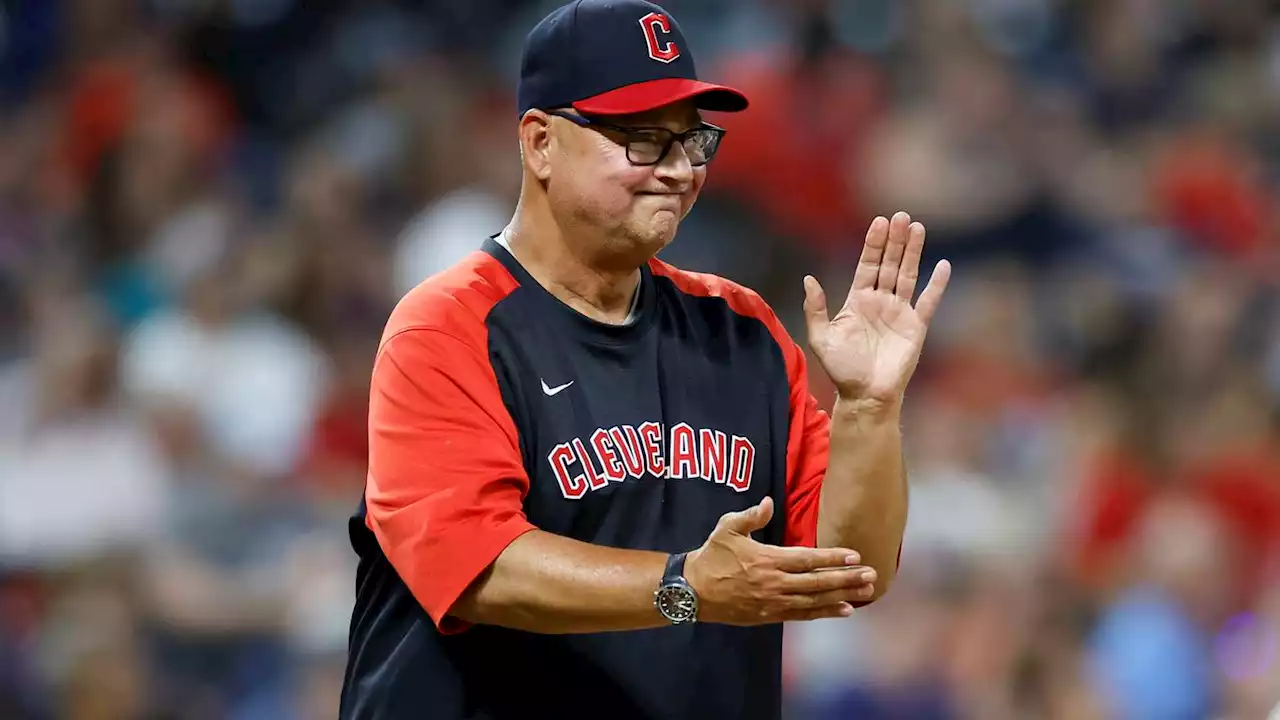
[{"x": 597, "y": 483}]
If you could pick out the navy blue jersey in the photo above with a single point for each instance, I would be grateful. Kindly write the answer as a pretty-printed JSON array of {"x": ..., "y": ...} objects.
[{"x": 496, "y": 409}]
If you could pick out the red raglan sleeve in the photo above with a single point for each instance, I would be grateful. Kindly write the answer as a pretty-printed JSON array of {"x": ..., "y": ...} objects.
[{"x": 446, "y": 482}]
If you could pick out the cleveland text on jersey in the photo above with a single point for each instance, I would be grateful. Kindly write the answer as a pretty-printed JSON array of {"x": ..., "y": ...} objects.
[{"x": 626, "y": 452}]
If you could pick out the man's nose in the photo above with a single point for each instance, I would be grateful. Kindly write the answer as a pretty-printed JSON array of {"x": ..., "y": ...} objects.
[{"x": 675, "y": 167}]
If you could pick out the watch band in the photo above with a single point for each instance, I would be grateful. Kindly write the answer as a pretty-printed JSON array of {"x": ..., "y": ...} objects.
[
  {"x": 675, "y": 598},
  {"x": 674, "y": 571}
]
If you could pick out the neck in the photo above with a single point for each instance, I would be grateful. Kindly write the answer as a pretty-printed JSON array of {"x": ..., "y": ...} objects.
[{"x": 562, "y": 264}]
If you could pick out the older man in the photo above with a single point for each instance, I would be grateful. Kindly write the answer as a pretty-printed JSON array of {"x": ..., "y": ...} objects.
[{"x": 597, "y": 483}]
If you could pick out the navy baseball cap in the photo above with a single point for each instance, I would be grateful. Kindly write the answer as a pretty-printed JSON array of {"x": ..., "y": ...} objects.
[{"x": 613, "y": 57}]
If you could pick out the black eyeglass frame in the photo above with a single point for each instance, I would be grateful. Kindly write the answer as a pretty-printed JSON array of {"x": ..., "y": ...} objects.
[{"x": 629, "y": 132}]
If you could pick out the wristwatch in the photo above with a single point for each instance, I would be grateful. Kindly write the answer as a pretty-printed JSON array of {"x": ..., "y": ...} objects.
[{"x": 674, "y": 598}]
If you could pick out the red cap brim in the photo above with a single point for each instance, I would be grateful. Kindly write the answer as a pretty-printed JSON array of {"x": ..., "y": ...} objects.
[{"x": 651, "y": 94}]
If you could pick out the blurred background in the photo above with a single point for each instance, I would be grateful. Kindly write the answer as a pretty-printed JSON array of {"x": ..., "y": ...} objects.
[{"x": 208, "y": 208}]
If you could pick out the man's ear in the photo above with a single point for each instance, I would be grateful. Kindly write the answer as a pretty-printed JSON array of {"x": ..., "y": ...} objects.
[{"x": 535, "y": 143}]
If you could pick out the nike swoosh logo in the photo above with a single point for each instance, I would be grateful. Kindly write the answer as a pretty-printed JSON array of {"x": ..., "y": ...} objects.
[{"x": 549, "y": 391}]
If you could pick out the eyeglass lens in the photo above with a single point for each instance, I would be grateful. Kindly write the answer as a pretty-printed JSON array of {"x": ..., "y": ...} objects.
[{"x": 647, "y": 148}]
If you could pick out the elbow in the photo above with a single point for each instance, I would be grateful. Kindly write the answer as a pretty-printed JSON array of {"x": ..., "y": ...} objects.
[
  {"x": 884, "y": 581},
  {"x": 886, "y": 573},
  {"x": 879, "y": 590}
]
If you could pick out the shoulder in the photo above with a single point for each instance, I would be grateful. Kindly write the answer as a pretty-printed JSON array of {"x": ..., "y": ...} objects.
[
  {"x": 740, "y": 299},
  {"x": 455, "y": 302}
]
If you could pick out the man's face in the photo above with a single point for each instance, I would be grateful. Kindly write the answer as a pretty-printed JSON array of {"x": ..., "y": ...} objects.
[{"x": 638, "y": 206}]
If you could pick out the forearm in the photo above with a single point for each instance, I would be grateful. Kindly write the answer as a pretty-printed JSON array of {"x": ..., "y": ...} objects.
[
  {"x": 864, "y": 493},
  {"x": 546, "y": 583}
]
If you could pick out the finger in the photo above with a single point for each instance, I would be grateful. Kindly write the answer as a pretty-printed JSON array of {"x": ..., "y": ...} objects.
[
  {"x": 931, "y": 297},
  {"x": 893, "y": 251},
  {"x": 816, "y": 316},
  {"x": 745, "y": 522},
  {"x": 838, "y": 610},
  {"x": 813, "y": 583},
  {"x": 909, "y": 272},
  {"x": 864, "y": 277},
  {"x": 861, "y": 593},
  {"x": 802, "y": 559}
]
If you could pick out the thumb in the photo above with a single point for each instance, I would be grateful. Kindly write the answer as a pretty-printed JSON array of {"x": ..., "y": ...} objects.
[
  {"x": 745, "y": 522},
  {"x": 815, "y": 310}
]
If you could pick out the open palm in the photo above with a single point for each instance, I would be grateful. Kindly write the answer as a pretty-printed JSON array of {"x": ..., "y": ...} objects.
[{"x": 871, "y": 347}]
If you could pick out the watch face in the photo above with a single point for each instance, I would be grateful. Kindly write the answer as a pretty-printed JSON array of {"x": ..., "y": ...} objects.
[{"x": 677, "y": 603}]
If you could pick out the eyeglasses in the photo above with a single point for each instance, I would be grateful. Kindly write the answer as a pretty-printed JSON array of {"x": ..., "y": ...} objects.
[{"x": 649, "y": 145}]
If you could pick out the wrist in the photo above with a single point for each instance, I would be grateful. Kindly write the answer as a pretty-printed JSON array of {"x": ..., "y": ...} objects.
[
  {"x": 691, "y": 569},
  {"x": 675, "y": 598},
  {"x": 698, "y": 581},
  {"x": 865, "y": 408}
]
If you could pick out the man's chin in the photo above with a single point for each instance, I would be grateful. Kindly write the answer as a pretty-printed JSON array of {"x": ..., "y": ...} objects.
[
  {"x": 647, "y": 242},
  {"x": 664, "y": 225},
  {"x": 661, "y": 237}
]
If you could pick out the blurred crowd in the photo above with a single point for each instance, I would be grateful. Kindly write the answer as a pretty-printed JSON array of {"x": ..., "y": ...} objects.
[{"x": 208, "y": 208}]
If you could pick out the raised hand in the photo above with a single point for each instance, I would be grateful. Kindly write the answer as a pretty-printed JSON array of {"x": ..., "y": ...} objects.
[{"x": 871, "y": 347}]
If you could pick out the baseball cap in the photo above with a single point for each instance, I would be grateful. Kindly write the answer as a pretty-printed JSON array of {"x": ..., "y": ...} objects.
[{"x": 613, "y": 57}]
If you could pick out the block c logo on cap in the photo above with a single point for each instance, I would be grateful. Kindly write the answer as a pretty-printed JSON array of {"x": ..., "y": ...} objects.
[{"x": 660, "y": 50}]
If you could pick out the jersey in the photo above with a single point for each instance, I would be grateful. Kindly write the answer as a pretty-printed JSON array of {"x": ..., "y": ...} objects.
[{"x": 496, "y": 409}]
